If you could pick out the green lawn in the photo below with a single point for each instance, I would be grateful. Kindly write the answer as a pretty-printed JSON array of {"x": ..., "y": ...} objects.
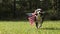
[{"x": 23, "y": 27}]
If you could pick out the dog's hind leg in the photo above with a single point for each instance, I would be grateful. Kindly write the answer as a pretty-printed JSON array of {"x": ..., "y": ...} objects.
[{"x": 41, "y": 22}]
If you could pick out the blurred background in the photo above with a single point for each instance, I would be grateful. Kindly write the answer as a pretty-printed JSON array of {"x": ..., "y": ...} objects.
[{"x": 17, "y": 9}]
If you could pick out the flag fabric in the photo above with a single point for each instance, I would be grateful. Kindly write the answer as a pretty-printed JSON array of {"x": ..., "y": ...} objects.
[{"x": 32, "y": 18}]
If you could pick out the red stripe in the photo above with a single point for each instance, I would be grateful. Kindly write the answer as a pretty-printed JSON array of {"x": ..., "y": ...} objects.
[{"x": 31, "y": 19}]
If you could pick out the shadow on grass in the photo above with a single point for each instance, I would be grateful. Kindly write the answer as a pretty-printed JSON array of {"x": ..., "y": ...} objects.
[{"x": 50, "y": 28}]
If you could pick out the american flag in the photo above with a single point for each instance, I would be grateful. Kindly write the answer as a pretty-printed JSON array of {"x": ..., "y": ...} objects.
[{"x": 31, "y": 18}]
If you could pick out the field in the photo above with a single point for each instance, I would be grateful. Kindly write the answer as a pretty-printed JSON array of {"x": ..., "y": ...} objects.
[{"x": 23, "y": 27}]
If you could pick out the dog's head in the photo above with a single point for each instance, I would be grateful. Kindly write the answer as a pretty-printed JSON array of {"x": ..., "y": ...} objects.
[{"x": 38, "y": 11}]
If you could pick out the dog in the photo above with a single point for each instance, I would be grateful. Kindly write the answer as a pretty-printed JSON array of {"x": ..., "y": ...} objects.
[{"x": 37, "y": 17}]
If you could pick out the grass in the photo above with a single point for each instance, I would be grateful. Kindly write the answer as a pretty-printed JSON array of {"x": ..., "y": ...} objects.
[{"x": 23, "y": 27}]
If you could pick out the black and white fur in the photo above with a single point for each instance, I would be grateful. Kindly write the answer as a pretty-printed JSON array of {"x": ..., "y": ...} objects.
[{"x": 39, "y": 18}]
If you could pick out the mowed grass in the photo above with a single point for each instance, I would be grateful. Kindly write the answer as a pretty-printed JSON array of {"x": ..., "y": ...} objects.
[{"x": 23, "y": 27}]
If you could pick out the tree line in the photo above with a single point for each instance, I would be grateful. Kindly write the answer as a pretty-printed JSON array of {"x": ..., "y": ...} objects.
[{"x": 17, "y": 9}]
